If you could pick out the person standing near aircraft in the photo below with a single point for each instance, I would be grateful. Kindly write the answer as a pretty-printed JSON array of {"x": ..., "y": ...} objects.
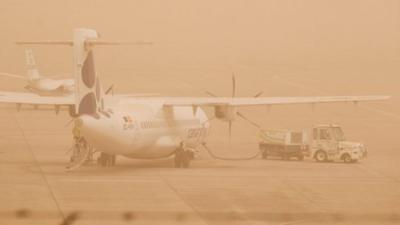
[{"x": 182, "y": 156}]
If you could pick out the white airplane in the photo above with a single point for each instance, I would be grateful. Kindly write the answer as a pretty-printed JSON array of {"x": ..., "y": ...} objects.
[
  {"x": 40, "y": 85},
  {"x": 144, "y": 128}
]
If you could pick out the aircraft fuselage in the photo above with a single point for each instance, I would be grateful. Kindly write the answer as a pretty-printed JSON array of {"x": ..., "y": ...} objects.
[
  {"x": 51, "y": 87},
  {"x": 144, "y": 130}
]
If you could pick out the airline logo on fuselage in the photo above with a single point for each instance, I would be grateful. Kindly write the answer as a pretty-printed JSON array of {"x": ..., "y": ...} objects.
[{"x": 128, "y": 123}]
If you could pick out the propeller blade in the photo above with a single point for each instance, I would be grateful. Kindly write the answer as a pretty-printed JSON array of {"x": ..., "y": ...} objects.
[
  {"x": 233, "y": 85},
  {"x": 110, "y": 89},
  {"x": 248, "y": 120},
  {"x": 207, "y": 121},
  {"x": 69, "y": 122},
  {"x": 210, "y": 94},
  {"x": 258, "y": 94}
]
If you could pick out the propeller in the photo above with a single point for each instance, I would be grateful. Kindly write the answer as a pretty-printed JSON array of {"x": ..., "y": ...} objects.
[
  {"x": 241, "y": 115},
  {"x": 210, "y": 94},
  {"x": 248, "y": 120},
  {"x": 69, "y": 122},
  {"x": 258, "y": 94}
]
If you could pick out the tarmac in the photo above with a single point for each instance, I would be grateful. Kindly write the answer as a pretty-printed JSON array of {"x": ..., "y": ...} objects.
[{"x": 36, "y": 189}]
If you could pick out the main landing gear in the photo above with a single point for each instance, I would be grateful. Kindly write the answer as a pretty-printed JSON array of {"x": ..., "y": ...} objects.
[
  {"x": 106, "y": 160},
  {"x": 183, "y": 158}
]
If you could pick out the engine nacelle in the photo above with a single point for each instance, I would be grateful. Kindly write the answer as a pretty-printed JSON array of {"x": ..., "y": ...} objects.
[{"x": 225, "y": 113}]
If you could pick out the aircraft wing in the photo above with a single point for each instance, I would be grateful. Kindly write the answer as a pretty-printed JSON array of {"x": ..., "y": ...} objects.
[
  {"x": 252, "y": 101},
  {"x": 33, "y": 99}
]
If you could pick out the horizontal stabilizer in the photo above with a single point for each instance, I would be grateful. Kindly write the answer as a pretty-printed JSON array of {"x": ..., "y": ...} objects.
[
  {"x": 12, "y": 75},
  {"x": 69, "y": 43}
]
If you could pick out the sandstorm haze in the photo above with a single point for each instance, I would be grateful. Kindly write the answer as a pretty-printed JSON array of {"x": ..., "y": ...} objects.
[
  {"x": 282, "y": 47},
  {"x": 313, "y": 47},
  {"x": 268, "y": 36}
]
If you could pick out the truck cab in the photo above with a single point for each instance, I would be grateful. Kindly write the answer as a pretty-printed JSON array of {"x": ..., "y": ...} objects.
[{"x": 329, "y": 144}]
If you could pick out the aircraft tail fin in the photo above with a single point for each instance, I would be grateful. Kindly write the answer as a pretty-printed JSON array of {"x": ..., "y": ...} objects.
[
  {"x": 88, "y": 92},
  {"x": 32, "y": 70}
]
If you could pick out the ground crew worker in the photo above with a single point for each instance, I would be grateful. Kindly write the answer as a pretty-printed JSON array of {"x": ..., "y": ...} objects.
[
  {"x": 76, "y": 134},
  {"x": 182, "y": 156},
  {"x": 179, "y": 152}
]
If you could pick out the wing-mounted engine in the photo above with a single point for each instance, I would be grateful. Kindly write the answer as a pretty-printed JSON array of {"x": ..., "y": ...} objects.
[{"x": 225, "y": 113}]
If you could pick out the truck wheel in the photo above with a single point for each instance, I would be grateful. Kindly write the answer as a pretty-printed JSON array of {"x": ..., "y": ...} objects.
[
  {"x": 186, "y": 157},
  {"x": 264, "y": 154},
  {"x": 347, "y": 158},
  {"x": 321, "y": 156},
  {"x": 285, "y": 157},
  {"x": 300, "y": 157}
]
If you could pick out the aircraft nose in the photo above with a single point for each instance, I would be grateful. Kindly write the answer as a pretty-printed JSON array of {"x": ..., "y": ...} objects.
[
  {"x": 103, "y": 133},
  {"x": 88, "y": 124}
]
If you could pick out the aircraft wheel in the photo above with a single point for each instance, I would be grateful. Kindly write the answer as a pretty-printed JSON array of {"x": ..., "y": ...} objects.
[
  {"x": 182, "y": 158},
  {"x": 106, "y": 160},
  {"x": 264, "y": 154},
  {"x": 186, "y": 159},
  {"x": 178, "y": 159}
]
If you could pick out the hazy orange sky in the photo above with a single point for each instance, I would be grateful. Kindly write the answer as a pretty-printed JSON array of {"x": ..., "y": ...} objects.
[{"x": 207, "y": 33}]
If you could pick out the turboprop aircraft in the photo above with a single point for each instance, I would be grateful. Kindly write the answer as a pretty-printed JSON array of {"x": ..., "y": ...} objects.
[
  {"x": 41, "y": 85},
  {"x": 144, "y": 127}
]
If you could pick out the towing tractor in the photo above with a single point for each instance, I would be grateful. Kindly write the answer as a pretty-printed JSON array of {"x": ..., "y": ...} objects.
[
  {"x": 285, "y": 144},
  {"x": 329, "y": 144}
]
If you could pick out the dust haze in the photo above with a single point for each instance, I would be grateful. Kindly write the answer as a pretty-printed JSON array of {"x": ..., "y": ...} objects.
[{"x": 282, "y": 48}]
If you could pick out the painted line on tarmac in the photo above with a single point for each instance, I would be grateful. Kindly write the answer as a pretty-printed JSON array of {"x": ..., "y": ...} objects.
[{"x": 108, "y": 181}]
